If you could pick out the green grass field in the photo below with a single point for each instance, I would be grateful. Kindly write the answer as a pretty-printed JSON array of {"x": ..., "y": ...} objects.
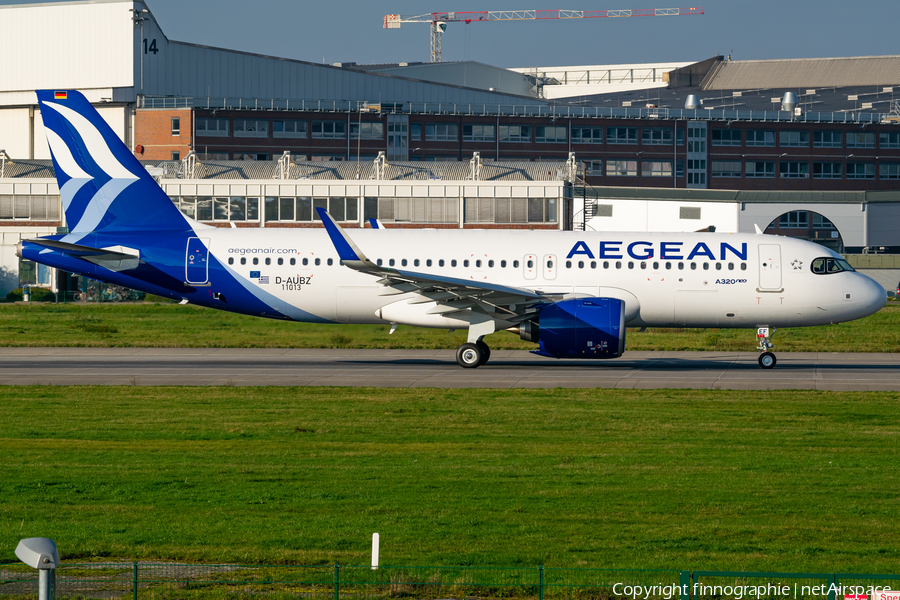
[
  {"x": 170, "y": 326},
  {"x": 781, "y": 481}
]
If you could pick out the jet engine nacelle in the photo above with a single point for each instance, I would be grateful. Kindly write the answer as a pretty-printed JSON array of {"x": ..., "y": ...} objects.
[{"x": 581, "y": 328}]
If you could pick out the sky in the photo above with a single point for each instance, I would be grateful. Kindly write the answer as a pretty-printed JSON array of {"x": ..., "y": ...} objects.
[{"x": 351, "y": 30}]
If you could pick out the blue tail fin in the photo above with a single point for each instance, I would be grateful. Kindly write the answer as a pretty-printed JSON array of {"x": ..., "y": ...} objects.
[{"x": 101, "y": 184}]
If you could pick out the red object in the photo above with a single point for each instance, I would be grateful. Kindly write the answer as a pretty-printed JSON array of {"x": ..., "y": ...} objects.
[{"x": 139, "y": 149}]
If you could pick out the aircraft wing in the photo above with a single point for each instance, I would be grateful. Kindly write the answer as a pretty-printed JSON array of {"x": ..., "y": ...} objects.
[{"x": 451, "y": 294}]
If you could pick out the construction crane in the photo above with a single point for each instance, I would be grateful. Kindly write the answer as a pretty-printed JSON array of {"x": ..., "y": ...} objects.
[{"x": 439, "y": 20}]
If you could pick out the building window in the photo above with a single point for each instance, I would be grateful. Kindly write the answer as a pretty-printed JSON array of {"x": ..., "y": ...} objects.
[
  {"x": 821, "y": 222},
  {"x": 515, "y": 133},
  {"x": 726, "y": 168},
  {"x": 793, "y": 139},
  {"x": 726, "y": 137},
  {"x": 289, "y": 128},
  {"x": 762, "y": 169},
  {"x": 828, "y": 139},
  {"x": 796, "y": 219},
  {"x": 794, "y": 170},
  {"x": 860, "y": 170},
  {"x": 251, "y": 156},
  {"x": 212, "y": 127},
  {"x": 441, "y": 132},
  {"x": 621, "y": 168},
  {"x": 760, "y": 137},
  {"x": 176, "y": 156},
  {"x": 329, "y": 130},
  {"x": 696, "y": 164},
  {"x": 367, "y": 131},
  {"x": 656, "y": 168},
  {"x": 176, "y": 125},
  {"x": 889, "y": 171},
  {"x": 827, "y": 170},
  {"x": 689, "y": 212},
  {"x": 478, "y": 133},
  {"x": 587, "y": 135},
  {"x": 603, "y": 210},
  {"x": 550, "y": 134},
  {"x": 656, "y": 136},
  {"x": 861, "y": 140},
  {"x": 593, "y": 167},
  {"x": 890, "y": 139},
  {"x": 32, "y": 208},
  {"x": 256, "y": 128},
  {"x": 415, "y": 131},
  {"x": 621, "y": 135}
]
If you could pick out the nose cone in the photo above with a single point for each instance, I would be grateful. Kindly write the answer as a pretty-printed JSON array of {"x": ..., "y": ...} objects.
[{"x": 871, "y": 294}]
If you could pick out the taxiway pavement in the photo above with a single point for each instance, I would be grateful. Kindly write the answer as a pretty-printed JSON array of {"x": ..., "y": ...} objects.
[{"x": 438, "y": 368}]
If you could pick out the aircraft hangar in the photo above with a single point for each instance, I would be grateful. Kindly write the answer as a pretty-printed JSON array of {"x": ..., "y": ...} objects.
[{"x": 234, "y": 136}]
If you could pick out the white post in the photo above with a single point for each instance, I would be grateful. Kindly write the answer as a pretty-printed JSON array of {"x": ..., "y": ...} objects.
[{"x": 375, "y": 544}]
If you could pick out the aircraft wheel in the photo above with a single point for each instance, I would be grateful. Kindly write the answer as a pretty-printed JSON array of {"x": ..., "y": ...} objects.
[
  {"x": 485, "y": 352},
  {"x": 469, "y": 356},
  {"x": 767, "y": 360}
]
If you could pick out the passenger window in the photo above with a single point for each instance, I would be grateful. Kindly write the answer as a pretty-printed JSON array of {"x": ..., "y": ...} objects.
[
  {"x": 693, "y": 266},
  {"x": 580, "y": 264},
  {"x": 391, "y": 262},
  {"x": 428, "y": 263},
  {"x": 549, "y": 264},
  {"x": 243, "y": 261},
  {"x": 502, "y": 264},
  {"x": 466, "y": 262},
  {"x": 530, "y": 264},
  {"x": 378, "y": 262},
  {"x": 619, "y": 264},
  {"x": 478, "y": 263},
  {"x": 516, "y": 264},
  {"x": 230, "y": 260},
  {"x": 453, "y": 263},
  {"x": 416, "y": 262},
  {"x": 318, "y": 261},
  {"x": 706, "y": 266},
  {"x": 255, "y": 261},
  {"x": 293, "y": 261},
  {"x": 568, "y": 264},
  {"x": 681, "y": 266},
  {"x": 630, "y": 264},
  {"x": 268, "y": 261},
  {"x": 731, "y": 266},
  {"x": 441, "y": 263},
  {"x": 656, "y": 266},
  {"x": 743, "y": 266},
  {"x": 403, "y": 262},
  {"x": 305, "y": 261},
  {"x": 718, "y": 266},
  {"x": 330, "y": 262},
  {"x": 593, "y": 264},
  {"x": 491, "y": 263},
  {"x": 668, "y": 265},
  {"x": 605, "y": 264},
  {"x": 643, "y": 264},
  {"x": 280, "y": 261}
]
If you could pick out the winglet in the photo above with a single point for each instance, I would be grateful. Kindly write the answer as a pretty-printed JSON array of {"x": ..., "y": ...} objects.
[
  {"x": 346, "y": 249},
  {"x": 758, "y": 230},
  {"x": 376, "y": 224}
]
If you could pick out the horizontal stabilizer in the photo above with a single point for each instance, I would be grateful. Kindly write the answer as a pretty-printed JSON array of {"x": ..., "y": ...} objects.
[{"x": 116, "y": 258}]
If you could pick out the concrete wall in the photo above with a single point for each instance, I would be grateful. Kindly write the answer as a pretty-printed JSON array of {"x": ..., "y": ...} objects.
[{"x": 664, "y": 215}]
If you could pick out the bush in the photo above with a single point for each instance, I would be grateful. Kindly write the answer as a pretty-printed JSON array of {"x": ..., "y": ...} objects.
[{"x": 37, "y": 295}]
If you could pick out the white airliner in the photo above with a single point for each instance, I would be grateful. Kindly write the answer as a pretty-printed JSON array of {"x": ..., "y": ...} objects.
[{"x": 572, "y": 293}]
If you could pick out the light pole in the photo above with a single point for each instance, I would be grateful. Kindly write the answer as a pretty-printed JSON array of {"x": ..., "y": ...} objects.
[{"x": 41, "y": 554}]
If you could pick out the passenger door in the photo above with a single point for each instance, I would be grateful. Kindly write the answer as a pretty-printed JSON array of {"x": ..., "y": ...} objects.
[
  {"x": 550, "y": 266},
  {"x": 770, "y": 268},
  {"x": 196, "y": 261}
]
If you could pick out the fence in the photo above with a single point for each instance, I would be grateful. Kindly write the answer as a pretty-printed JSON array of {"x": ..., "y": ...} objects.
[{"x": 158, "y": 581}]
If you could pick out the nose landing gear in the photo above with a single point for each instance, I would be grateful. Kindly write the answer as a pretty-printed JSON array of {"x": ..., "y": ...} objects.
[{"x": 767, "y": 359}]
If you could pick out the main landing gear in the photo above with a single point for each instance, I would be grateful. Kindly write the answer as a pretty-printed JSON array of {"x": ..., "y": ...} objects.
[
  {"x": 766, "y": 359},
  {"x": 474, "y": 355}
]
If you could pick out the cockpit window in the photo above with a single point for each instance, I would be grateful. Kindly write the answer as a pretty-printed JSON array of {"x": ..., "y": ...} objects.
[{"x": 827, "y": 266}]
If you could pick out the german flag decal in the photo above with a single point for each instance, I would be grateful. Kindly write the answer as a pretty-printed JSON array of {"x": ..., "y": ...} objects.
[{"x": 59, "y": 95}]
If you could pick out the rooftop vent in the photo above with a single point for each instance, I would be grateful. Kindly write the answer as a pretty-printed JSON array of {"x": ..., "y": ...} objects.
[
  {"x": 789, "y": 102},
  {"x": 692, "y": 102}
]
